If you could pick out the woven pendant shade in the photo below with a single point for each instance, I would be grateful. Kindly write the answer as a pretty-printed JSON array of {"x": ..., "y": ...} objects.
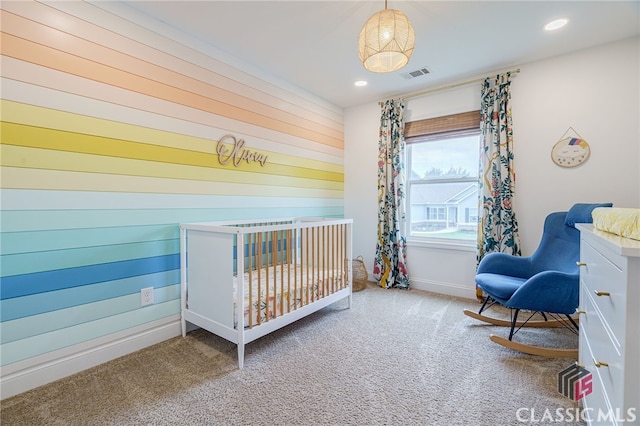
[{"x": 386, "y": 41}]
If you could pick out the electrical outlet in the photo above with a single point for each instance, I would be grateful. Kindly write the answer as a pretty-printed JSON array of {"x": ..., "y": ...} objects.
[{"x": 146, "y": 296}]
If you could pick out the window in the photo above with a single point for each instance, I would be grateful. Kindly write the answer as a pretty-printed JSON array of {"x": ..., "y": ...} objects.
[{"x": 442, "y": 178}]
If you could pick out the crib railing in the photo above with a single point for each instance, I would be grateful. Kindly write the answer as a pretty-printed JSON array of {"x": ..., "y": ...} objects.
[{"x": 286, "y": 267}]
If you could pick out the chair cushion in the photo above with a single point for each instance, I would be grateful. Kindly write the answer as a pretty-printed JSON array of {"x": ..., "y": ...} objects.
[
  {"x": 500, "y": 287},
  {"x": 581, "y": 213}
]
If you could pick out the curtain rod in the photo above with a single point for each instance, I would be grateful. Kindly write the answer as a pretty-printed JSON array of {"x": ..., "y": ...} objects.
[{"x": 451, "y": 86}]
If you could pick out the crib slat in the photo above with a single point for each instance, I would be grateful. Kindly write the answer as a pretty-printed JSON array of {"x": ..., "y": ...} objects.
[
  {"x": 259, "y": 269},
  {"x": 329, "y": 263},
  {"x": 281, "y": 262},
  {"x": 345, "y": 254},
  {"x": 296, "y": 235},
  {"x": 251, "y": 262},
  {"x": 309, "y": 263},
  {"x": 338, "y": 264},
  {"x": 321, "y": 259},
  {"x": 315, "y": 250},
  {"x": 275, "y": 261},
  {"x": 289, "y": 250},
  {"x": 332, "y": 267},
  {"x": 266, "y": 266},
  {"x": 340, "y": 258}
]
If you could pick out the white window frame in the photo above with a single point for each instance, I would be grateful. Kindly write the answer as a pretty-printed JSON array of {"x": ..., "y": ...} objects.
[{"x": 432, "y": 242}]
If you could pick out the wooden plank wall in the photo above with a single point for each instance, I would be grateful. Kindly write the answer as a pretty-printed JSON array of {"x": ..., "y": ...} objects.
[{"x": 111, "y": 137}]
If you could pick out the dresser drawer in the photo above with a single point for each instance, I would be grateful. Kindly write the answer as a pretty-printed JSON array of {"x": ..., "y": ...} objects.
[
  {"x": 599, "y": 275},
  {"x": 596, "y": 345},
  {"x": 597, "y": 400}
]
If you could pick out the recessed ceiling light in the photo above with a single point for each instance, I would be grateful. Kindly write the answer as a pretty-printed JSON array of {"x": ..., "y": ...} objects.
[
  {"x": 360, "y": 83},
  {"x": 556, "y": 24}
]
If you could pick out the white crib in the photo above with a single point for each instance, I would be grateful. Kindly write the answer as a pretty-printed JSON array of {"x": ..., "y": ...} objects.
[{"x": 242, "y": 280}]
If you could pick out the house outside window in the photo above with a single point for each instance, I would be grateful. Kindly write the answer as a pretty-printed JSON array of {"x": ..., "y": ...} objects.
[{"x": 442, "y": 178}]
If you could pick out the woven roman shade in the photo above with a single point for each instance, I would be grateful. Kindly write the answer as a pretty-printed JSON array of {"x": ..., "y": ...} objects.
[{"x": 456, "y": 123}]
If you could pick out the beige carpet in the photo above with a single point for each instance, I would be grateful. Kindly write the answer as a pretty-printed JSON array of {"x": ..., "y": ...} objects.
[{"x": 395, "y": 358}]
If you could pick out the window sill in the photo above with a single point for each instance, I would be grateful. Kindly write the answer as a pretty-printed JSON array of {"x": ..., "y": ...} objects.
[{"x": 458, "y": 245}]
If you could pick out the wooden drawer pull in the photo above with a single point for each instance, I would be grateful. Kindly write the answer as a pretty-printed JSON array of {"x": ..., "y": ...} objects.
[
  {"x": 600, "y": 363},
  {"x": 602, "y": 293},
  {"x": 581, "y": 264}
]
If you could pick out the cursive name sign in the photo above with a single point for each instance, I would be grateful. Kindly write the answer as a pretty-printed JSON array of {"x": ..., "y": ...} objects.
[{"x": 237, "y": 153}]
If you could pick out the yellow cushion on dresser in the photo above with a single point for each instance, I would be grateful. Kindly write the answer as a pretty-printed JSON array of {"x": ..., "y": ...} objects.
[{"x": 617, "y": 220}]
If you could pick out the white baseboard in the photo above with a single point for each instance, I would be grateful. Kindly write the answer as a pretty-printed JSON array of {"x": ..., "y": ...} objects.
[
  {"x": 29, "y": 374},
  {"x": 449, "y": 289}
]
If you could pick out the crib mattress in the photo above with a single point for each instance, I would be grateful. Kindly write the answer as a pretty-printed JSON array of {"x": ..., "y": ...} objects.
[
  {"x": 275, "y": 293},
  {"x": 617, "y": 220}
]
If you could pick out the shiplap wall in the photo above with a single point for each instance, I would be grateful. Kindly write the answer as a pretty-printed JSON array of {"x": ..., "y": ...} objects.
[{"x": 109, "y": 138}]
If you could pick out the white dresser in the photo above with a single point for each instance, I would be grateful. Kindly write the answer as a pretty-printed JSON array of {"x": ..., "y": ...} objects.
[{"x": 610, "y": 326}]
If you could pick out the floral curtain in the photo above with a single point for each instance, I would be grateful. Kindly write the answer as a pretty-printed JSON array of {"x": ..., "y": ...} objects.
[
  {"x": 390, "y": 261},
  {"x": 498, "y": 227}
]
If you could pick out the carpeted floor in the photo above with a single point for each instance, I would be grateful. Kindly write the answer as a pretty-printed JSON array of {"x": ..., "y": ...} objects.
[{"x": 395, "y": 358}]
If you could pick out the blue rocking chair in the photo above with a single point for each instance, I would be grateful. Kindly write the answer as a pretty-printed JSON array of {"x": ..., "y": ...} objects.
[{"x": 545, "y": 283}]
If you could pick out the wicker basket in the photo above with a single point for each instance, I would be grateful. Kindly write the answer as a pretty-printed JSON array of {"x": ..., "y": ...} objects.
[{"x": 360, "y": 274}]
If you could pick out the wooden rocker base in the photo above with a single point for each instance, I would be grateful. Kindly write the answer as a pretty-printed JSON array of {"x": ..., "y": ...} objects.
[
  {"x": 534, "y": 350},
  {"x": 507, "y": 323}
]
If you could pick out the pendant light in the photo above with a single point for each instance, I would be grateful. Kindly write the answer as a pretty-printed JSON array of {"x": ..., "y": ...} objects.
[{"x": 386, "y": 41}]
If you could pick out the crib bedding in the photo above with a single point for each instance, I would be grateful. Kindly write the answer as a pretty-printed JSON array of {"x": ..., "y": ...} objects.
[
  {"x": 275, "y": 291},
  {"x": 617, "y": 220}
]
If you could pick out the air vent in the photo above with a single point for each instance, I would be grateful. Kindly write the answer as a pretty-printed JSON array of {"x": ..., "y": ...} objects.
[{"x": 417, "y": 73}]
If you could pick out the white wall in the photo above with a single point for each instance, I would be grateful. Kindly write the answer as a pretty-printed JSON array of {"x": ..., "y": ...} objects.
[
  {"x": 597, "y": 93},
  {"x": 361, "y": 127},
  {"x": 594, "y": 91}
]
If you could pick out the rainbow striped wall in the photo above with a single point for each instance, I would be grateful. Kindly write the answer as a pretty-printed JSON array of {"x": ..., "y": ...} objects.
[{"x": 110, "y": 133}]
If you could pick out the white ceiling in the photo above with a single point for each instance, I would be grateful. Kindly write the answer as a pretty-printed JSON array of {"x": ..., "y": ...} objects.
[{"x": 313, "y": 44}]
